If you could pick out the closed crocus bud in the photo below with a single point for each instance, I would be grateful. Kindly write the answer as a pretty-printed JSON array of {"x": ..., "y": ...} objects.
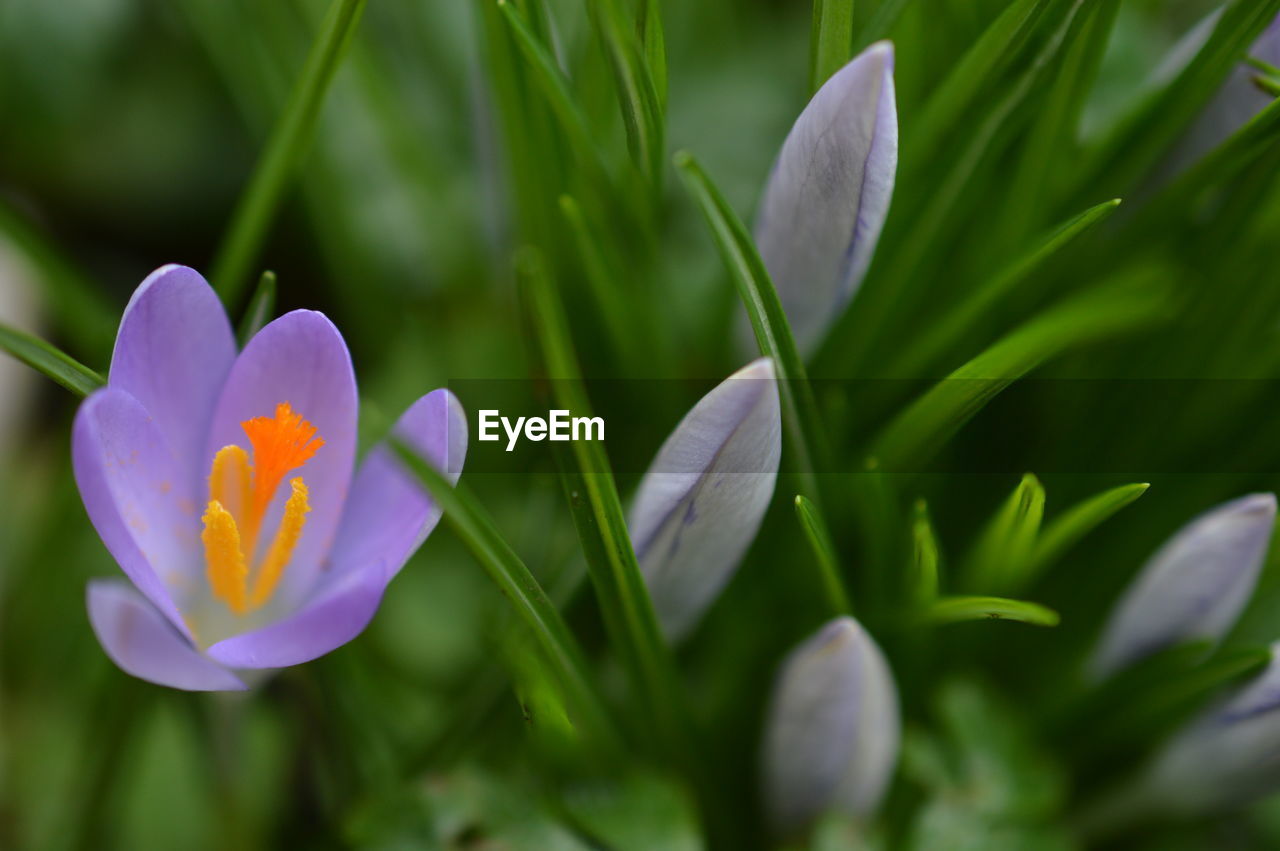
[
  {"x": 833, "y": 729},
  {"x": 1229, "y": 755},
  {"x": 828, "y": 193},
  {"x": 700, "y": 503},
  {"x": 1193, "y": 587}
]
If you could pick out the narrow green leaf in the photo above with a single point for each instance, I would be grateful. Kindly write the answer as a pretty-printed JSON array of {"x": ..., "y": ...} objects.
[
  {"x": 283, "y": 155},
  {"x": 1269, "y": 83},
  {"x": 886, "y": 15},
  {"x": 956, "y": 609},
  {"x": 655, "y": 47},
  {"x": 621, "y": 587},
  {"x": 1073, "y": 524},
  {"x": 773, "y": 334},
  {"x": 602, "y": 278},
  {"x": 923, "y": 576},
  {"x": 954, "y": 323},
  {"x": 52, "y": 362},
  {"x": 261, "y": 306},
  {"x": 913, "y": 437},
  {"x": 642, "y": 110},
  {"x": 549, "y": 79},
  {"x": 971, "y": 77},
  {"x": 476, "y": 529},
  {"x": 830, "y": 40},
  {"x": 1136, "y": 146},
  {"x": 1003, "y": 550},
  {"x": 824, "y": 554}
]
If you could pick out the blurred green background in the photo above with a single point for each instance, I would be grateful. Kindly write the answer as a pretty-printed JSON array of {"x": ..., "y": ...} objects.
[{"x": 128, "y": 131}]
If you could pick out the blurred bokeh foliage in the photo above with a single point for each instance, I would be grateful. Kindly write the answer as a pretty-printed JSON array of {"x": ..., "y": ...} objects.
[{"x": 129, "y": 130}]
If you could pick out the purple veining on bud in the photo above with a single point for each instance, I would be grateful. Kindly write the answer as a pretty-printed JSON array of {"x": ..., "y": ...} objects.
[
  {"x": 702, "y": 499},
  {"x": 1230, "y": 755},
  {"x": 828, "y": 193},
  {"x": 1194, "y": 587},
  {"x": 225, "y": 486},
  {"x": 833, "y": 730}
]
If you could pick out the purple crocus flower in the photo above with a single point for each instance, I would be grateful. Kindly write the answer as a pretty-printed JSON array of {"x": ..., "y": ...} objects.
[{"x": 223, "y": 485}]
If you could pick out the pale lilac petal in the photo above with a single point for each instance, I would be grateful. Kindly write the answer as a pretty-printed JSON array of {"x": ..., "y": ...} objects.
[
  {"x": 388, "y": 514},
  {"x": 1193, "y": 587},
  {"x": 125, "y": 473},
  {"x": 828, "y": 194},
  {"x": 144, "y": 644},
  {"x": 330, "y": 620},
  {"x": 301, "y": 359},
  {"x": 833, "y": 730},
  {"x": 172, "y": 354},
  {"x": 701, "y": 502},
  {"x": 1229, "y": 756}
]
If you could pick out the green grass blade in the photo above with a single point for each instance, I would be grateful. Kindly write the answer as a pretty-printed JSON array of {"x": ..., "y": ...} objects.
[
  {"x": 655, "y": 47},
  {"x": 257, "y": 207},
  {"x": 923, "y": 576},
  {"x": 476, "y": 529},
  {"x": 920, "y": 431},
  {"x": 550, "y": 80},
  {"x": 642, "y": 109},
  {"x": 1004, "y": 549},
  {"x": 1066, "y": 530},
  {"x": 830, "y": 40},
  {"x": 1136, "y": 146},
  {"x": 824, "y": 554},
  {"x": 773, "y": 333},
  {"x": 51, "y": 361},
  {"x": 886, "y": 15},
  {"x": 957, "y": 609},
  {"x": 260, "y": 308},
  {"x": 955, "y": 322}
]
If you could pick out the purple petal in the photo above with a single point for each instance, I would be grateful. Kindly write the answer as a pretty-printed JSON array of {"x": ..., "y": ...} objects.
[
  {"x": 701, "y": 501},
  {"x": 388, "y": 514},
  {"x": 1226, "y": 757},
  {"x": 301, "y": 359},
  {"x": 833, "y": 729},
  {"x": 125, "y": 473},
  {"x": 334, "y": 617},
  {"x": 829, "y": 192},
  {"x": 172, "y": 354},
  {"x": 1193, "y": 587},
  {"x": 142, "y": 643}
]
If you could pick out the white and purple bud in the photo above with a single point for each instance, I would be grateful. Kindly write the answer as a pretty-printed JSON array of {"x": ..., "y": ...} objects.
[
  {"x": 1230, "y": 755},
  {"x": 1193, "y": 588},
  {"x": 833, "y": 731},
  {"x": 700, "y": 504},
  {"x": 828, "y": 194}
]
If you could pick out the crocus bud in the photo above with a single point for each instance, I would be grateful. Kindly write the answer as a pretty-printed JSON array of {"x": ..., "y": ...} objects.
[
  {"x": 700, "y": 503},
  {"x": 828, "y": 193},
  {"x": 1193, "y": 587},
  {"x": 1227, "y": 756},
  {"x": 833, "y": 729}
]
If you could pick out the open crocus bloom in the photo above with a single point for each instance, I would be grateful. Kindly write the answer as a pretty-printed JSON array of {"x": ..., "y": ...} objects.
[{"x": 222, "y": 484}]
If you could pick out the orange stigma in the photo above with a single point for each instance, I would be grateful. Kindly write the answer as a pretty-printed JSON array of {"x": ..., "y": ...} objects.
[{"x": 239, "y": 496}]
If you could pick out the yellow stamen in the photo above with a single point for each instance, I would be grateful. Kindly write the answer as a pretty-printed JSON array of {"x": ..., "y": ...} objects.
[
  {"x": 224, "y": 560},
  {"x": 229, "y": 482},
  {"x": 295, "y": 517}
]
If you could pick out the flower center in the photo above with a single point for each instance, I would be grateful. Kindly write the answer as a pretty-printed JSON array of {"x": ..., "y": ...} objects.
[{"x": 240, "y": 493}]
